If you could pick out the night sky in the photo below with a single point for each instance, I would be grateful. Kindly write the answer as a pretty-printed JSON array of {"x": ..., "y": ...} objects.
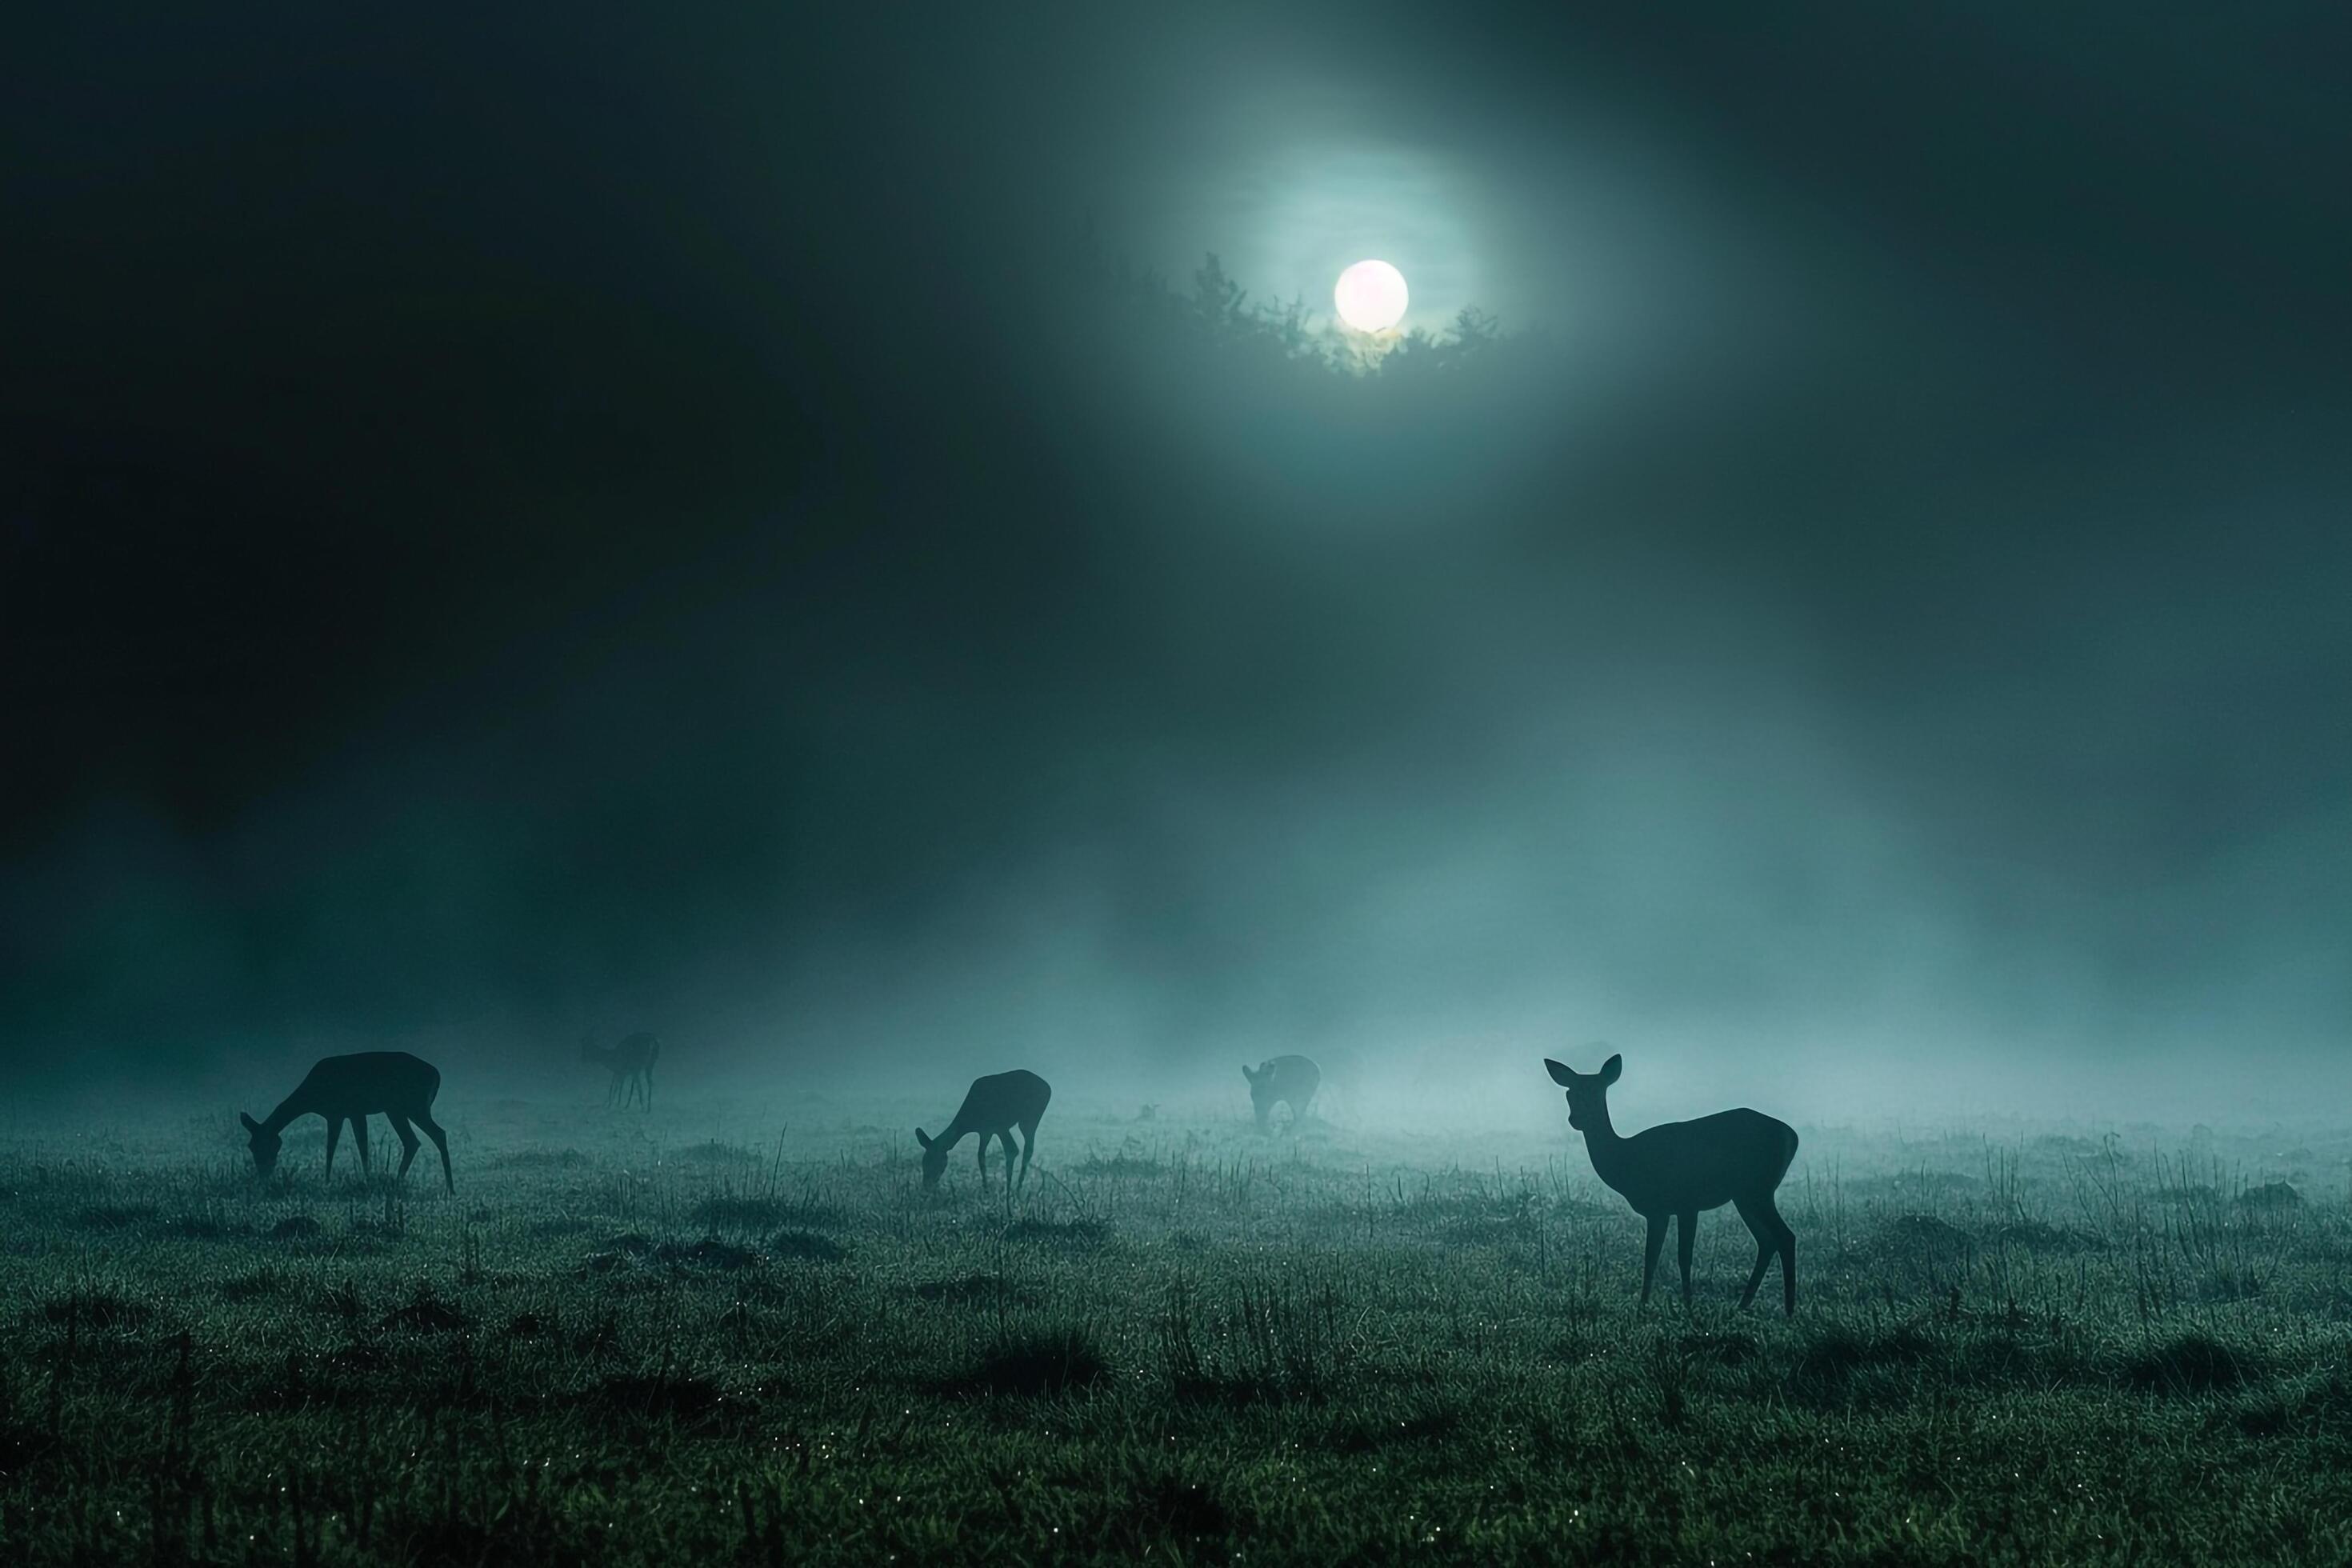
[{"x": 596, "y": 518}]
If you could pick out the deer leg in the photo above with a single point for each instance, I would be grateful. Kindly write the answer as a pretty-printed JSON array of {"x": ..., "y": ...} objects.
[
  {"x": 440, "y": 1141},
  {"x": 334, "y": 1135},
  {"x": 1028, "y": 1141},
  {"x": 407, "y": 1136},
  {"x": 1787, "y": 1267},
  {"x": 1005, "y": 1138},
  {"x": 1649, "y": 1249},
  {"x": 359, "y": 1137},
  {"x": 1768, "y": 1239},
  {"x": 983, "y": 1153},
  {"x": 1685, "y": 1229}
]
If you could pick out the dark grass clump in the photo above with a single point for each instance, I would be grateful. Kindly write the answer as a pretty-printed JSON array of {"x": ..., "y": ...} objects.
[
  {"x": 1835, "y": 1352},
  {"x": 709, "y": 1253},
  {"x": 295, "y": 1227},
  {"x": 1161, "y": 1510},
  {"x": 1723, "y": 1347},
  {"x": 668, "y": 1393},
  {"x": 1033, "y": 1363},
  {"x": 2271, "y": 1197},
  {"x": 808, "y": 1246},
  {"x": 1359, "y": 1433},
  {"x": 98, "y": 1309},
  {"x": 115, "y": 1217},
  {"x": 1263, "y": 1345},
  {"x": 2189, "y": 1364},
  {"x": 425, "y": 1312},
  {"x": 256, "y": 1284}
]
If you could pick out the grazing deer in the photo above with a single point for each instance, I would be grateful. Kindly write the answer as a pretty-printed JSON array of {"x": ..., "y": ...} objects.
[
  {"x": 631, "y": 1063},
  {"x": 1678, "y": 1168},
  {"x": 993, "y": 1107},
  {"x": 351, "y": 1088},
  {"x": 1282, "y": 1080}
]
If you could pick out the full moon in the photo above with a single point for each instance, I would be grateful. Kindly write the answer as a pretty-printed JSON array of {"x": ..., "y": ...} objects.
[{"x": 1370, "y": 296}]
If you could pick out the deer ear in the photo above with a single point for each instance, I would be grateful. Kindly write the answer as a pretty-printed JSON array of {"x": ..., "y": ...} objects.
[
  {"x": 1610, "y": 1069},
  {"x": 922, "y": 1137},
  {"x": 1247, "y": 1073},
  {"x": 250, "y": 1124},
  {"x": 1560, "y": 1075}
]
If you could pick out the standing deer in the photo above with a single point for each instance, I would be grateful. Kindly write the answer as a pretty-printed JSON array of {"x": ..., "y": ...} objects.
[
  {"x": 399, "y": 1086},
  {"x": 1282, "y": 1080},
  {"x": 1678, "y": 1168},
  {"x": 993, "y": 1107},
  {"x": 631, "y": 1063}
]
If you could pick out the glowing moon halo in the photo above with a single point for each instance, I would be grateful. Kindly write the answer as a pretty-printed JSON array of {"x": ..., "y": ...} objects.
[{"x": 1370, "y": 296}]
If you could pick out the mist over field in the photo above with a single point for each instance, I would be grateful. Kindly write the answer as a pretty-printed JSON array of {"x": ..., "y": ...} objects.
[{"x": 563, "y": 559}]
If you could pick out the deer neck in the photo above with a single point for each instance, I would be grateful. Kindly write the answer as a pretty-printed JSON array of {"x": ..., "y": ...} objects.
[
  {"x": 292, "y": 1106},
  {"x": 1602, "y": 1143}
]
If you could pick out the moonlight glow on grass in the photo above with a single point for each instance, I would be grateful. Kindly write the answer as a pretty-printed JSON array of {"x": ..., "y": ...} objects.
[{"x": 1370, "y": 296}]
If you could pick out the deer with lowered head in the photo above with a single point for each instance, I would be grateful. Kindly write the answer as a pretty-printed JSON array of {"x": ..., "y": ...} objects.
[
  {"x": 1677, "y": 1168},
  {"x": 993, "y": 1107},
  {"x": 1282, "y": 1080},
  {"x": 394, "y": 1084},
  {"x": 631, "y": 1063}
]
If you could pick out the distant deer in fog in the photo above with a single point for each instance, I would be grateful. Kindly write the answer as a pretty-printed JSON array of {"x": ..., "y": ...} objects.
[
  {"x": 993, "y": 1107},
  {"x": 399, "y": 1086},
  {"x": 1282, "y": 1080},
  {"x": 631, "y": 1063},
  {"x": 1678, "y": 1168}
]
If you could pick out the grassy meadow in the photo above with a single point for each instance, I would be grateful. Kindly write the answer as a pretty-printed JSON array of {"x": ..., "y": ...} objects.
[{"x": 713, "y": 1336}]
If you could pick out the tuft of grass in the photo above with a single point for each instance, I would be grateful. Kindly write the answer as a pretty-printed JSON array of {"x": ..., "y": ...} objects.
[
  {"x": 2271, "y": 1197},
  {"x": 1033, "y": 1362},
  {"x": 2190, "y": 1363},
  {"x": 425, "y": 1312},
  {"x": 806, "y": 1246},
  {"x": 98, "y": 1307},
  {"x": 671, "y": 1394}
]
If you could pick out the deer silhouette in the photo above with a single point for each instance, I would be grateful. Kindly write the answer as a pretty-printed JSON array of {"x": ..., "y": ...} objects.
[
  {"x": 1282, "y": 1080},
  {"x": 993, "y": 1107},
  {"x": 631, "y": 1063},
  {"x": 1678, "y": 1168},
  {"x": 399, "y": 1086}
]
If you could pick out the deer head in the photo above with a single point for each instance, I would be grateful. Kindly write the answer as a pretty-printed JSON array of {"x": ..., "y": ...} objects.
[
  {"x": 264, "y": 1144},
  {"x": 935, "y": 1157},
  {"x": 1587, "y": 1093}
]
